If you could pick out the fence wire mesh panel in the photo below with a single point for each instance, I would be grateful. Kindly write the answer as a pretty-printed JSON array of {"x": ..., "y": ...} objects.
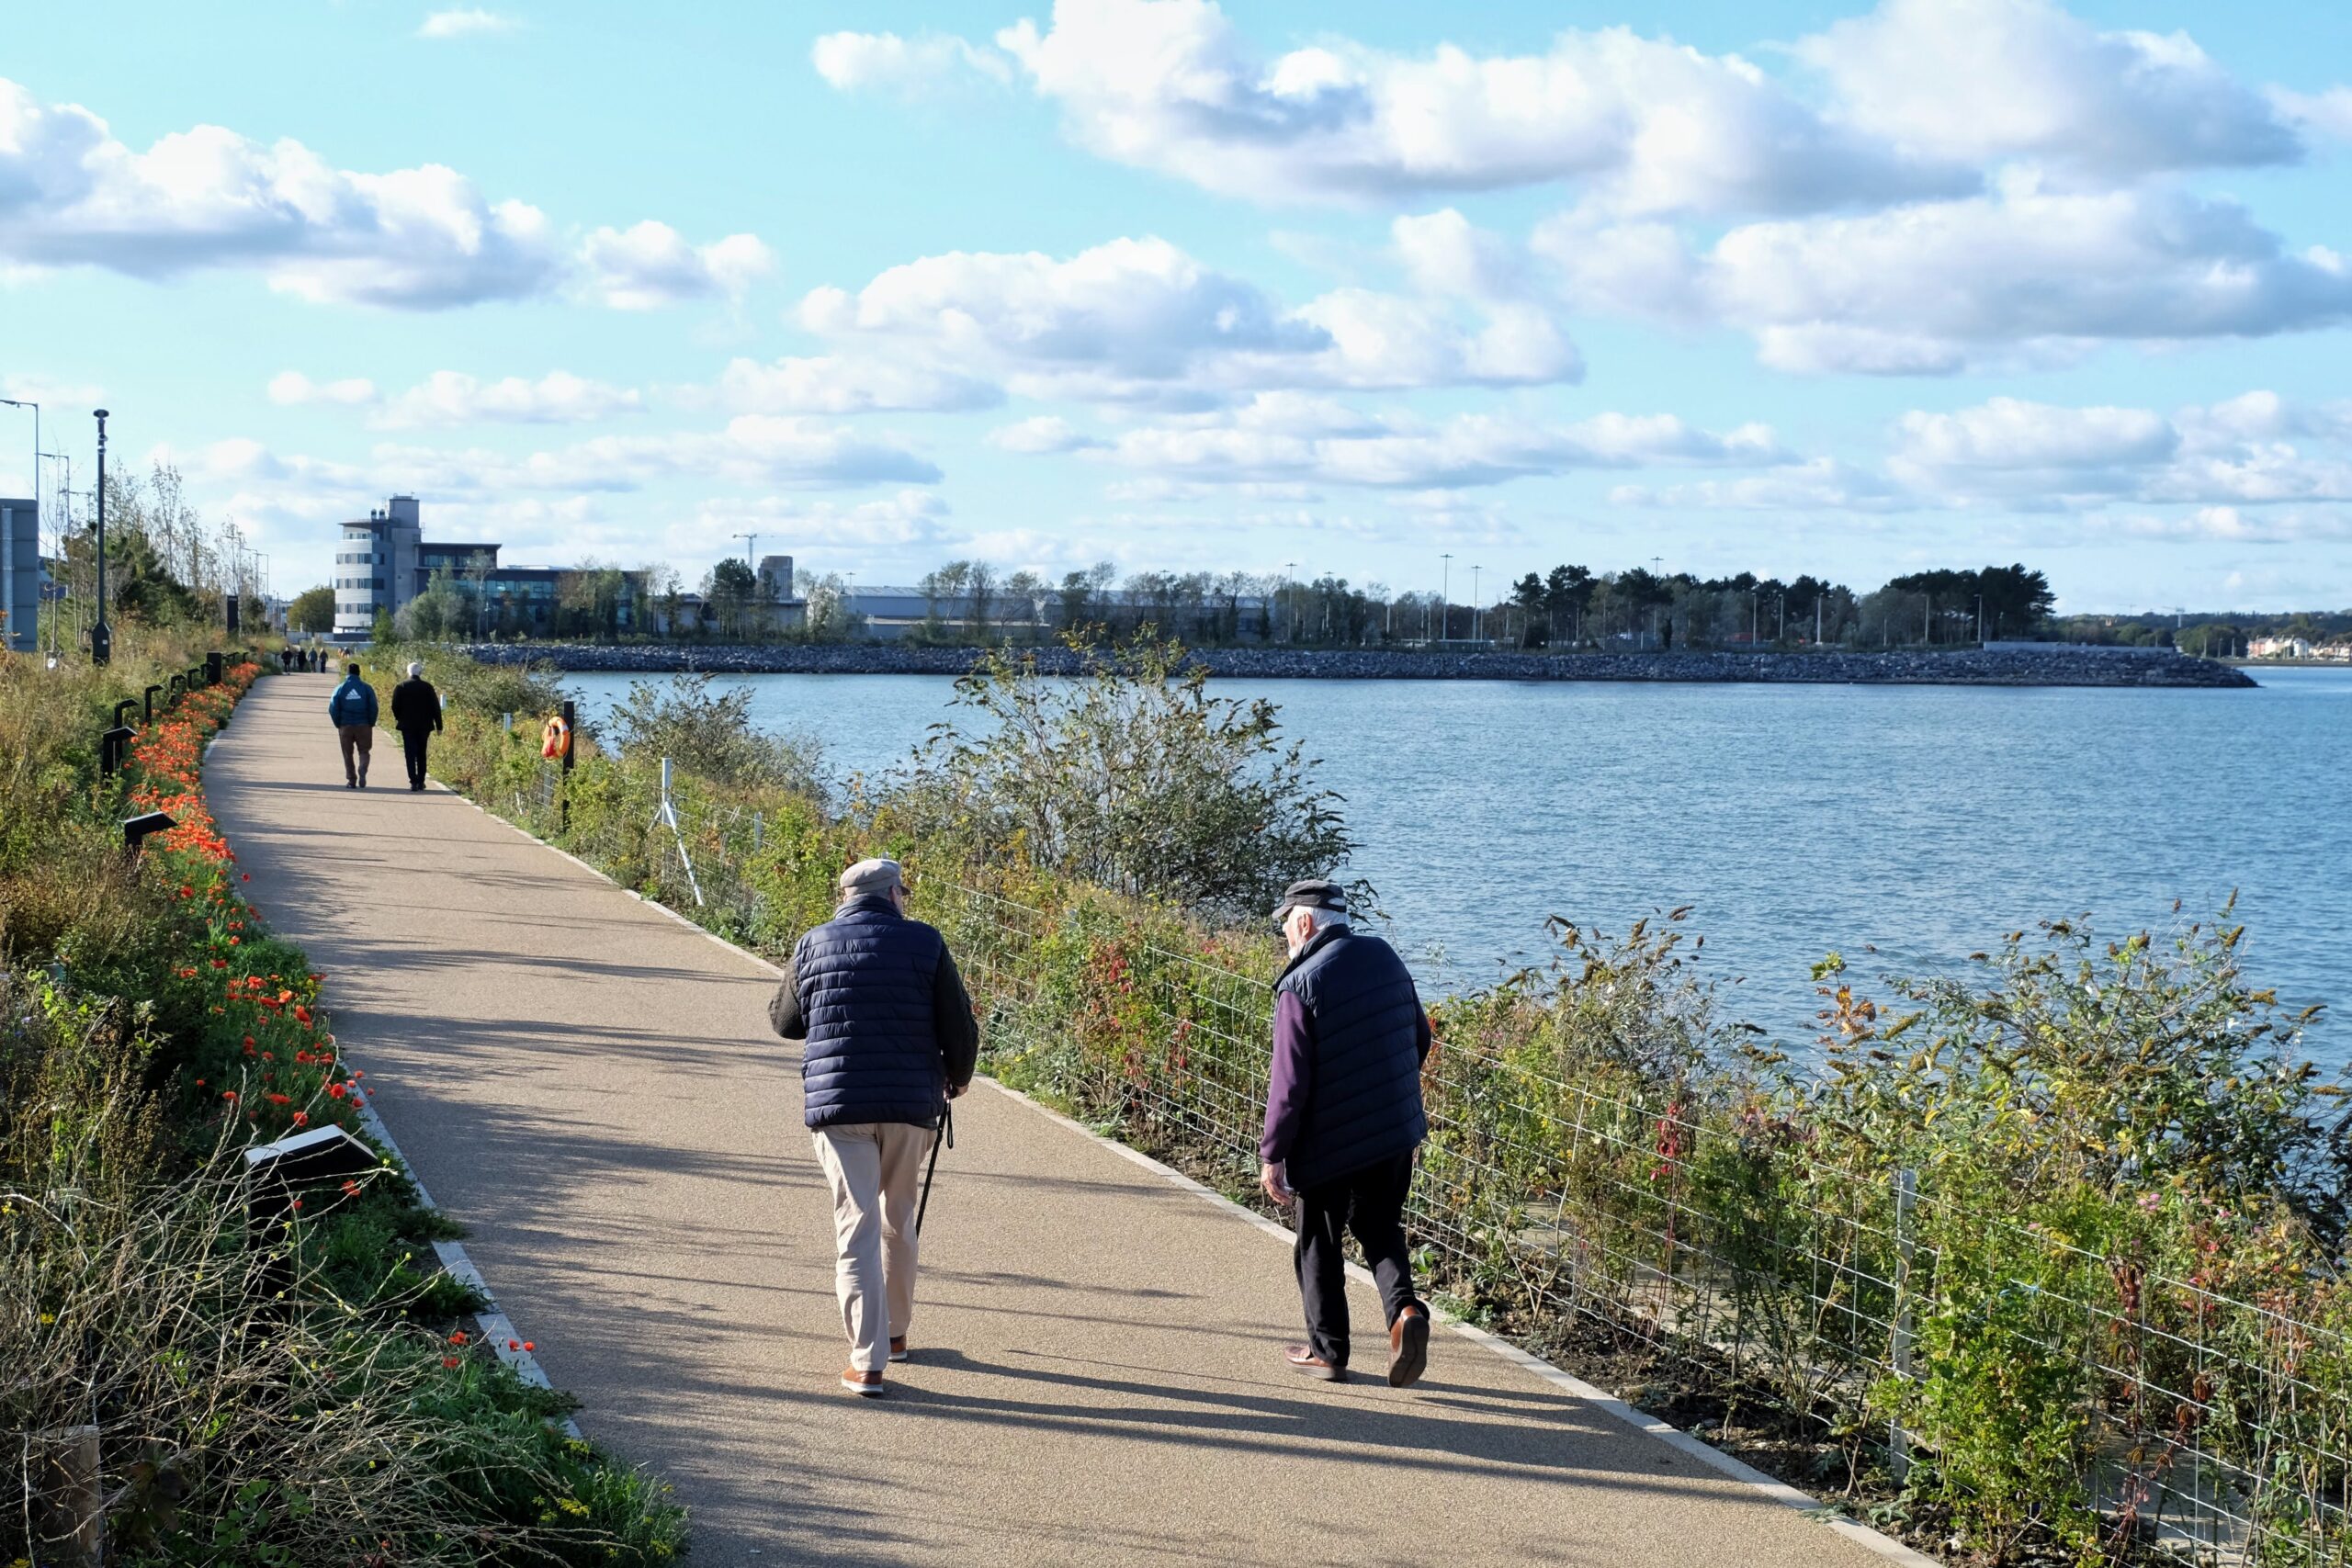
[{"x": 2202, "y": 1426}]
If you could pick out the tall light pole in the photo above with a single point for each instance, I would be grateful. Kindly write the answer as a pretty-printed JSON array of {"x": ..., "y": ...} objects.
[
  {"x": 101, "y": 635},
  {"x": 1290, "y": 596},
  {"x": 1477, "y": 606},
  {"x": 1445, "y": 584},
  {"x": 9, "y": 545}
]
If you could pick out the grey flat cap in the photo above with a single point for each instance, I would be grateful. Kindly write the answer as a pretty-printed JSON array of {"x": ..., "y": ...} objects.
[
  {"x": 872, "y": 878},
  {"x": 1313, "y": 893}
]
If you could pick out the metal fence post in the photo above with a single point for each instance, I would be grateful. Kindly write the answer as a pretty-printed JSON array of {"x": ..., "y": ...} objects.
[
  {"x": 570, "y": 745},
  {"x": 1907, "y": 1191}
]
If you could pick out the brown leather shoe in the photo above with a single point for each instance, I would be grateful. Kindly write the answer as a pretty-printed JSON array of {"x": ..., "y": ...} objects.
[
  {"x": 866, "y": 1384},
  {"x": 1408, "y": 1347},
  {"x": 1303, "y": 1359},
  {"x": 898, "y": 1348}
]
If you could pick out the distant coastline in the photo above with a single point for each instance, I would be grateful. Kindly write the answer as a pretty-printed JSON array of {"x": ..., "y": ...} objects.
[{"x": 2055, "y": 665}]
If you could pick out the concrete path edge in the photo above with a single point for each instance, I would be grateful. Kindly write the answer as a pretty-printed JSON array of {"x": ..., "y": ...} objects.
[
  {"x": 496, "y": 1328},
  {"x": 1714, "y": 1459}
]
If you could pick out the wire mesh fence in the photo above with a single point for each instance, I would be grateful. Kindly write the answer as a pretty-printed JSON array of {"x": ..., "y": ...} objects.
[{"x": 1842, "y": 1293}]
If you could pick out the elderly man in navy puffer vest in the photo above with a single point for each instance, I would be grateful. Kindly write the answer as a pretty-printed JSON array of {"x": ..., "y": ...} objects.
[
  {"x": 890, "y": 1041},
  {"x": 1343, "y": 1120}
]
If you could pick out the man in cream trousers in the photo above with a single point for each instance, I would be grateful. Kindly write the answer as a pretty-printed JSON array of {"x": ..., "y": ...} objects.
[{"x": 890, "y": 1039}]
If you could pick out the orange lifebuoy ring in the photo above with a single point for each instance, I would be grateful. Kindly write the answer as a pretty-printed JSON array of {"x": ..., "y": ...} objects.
[{"x": 555, "y": 741}]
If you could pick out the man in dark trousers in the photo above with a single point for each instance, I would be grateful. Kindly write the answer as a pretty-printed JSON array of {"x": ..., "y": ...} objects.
[
  {"x": 890, "y": 1041},
  {"x": 1343, "y": 1119},
  {"x": 416, "y": 713},
  {"x": 352, "y": 711}
]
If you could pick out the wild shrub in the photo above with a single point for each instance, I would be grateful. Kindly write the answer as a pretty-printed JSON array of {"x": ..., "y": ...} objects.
[
  {"x": 1130, "y": 776},
  {"x": 709, "y": 731}
]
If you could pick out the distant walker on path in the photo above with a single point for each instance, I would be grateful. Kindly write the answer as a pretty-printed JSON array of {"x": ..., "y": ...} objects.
[
  {"x": 352, "y": 711},
  {"x": 1343, "y": 1120},
  {"x": 890, "y": 1039},
  {"x": 416, "y": 713}
]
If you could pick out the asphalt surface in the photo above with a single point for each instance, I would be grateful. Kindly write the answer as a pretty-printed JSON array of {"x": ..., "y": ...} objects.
[{"x": 590, "y": 1088}]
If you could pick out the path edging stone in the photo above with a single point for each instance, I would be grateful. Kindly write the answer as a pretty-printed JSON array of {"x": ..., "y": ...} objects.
[
  {"x": 496, "y": 1328},
  {"x": 1714, "y": 1459}
]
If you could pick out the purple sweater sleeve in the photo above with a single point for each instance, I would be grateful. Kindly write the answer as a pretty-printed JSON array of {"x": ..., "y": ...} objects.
[{"x": 1292, "y": 1081}]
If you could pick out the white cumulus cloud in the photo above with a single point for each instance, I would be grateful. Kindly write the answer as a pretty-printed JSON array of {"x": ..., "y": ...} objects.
[
  {"x": 650, "y": 265},
  {"x": 1935, "y": 287},
  {"x": 426, "y": 237},
  {"x": 1046, "y": 432},
  {"x": 453, "y": 397},
  {"x": 862, "y": 62},
  {"x": 291, "y": 388},
  {"x": 464, "y": 22},
  {"x": 1643, "y": 123},
  {"x": 1287, "y": 439},
  {"x": 1975, "y": 80},
  {"x": 839, "y": 384},
  {"x": 1139, "y": 320}
]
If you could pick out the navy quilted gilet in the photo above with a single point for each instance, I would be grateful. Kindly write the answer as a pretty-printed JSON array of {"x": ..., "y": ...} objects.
[
  {"x": 1366, "y": 1103},
  {"x": 865, "y": 979}
]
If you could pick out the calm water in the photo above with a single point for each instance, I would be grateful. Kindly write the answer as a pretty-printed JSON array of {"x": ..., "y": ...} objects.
[{"x": 1922, "y": 821}]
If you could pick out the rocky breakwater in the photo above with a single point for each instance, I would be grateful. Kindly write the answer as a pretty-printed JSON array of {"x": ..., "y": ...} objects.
[{"x": 2054, "y": 664}]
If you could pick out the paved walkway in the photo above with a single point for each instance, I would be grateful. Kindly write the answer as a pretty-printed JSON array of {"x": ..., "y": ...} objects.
[{"x": 591, "y": 1088}]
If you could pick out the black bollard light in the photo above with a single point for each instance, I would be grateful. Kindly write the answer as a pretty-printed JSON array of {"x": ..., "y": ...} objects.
[
  {"x": 110, "y": 750},
  {"x": 136, "y": 830},
  {"x": 211, "y": 669},
  {"x": 151, "y": 703},
  {"x": 120, "y": 709},
  {"x": 315, "y": 1171}
]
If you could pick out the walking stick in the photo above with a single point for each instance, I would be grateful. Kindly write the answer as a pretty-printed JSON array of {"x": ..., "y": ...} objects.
[{"x": 948, "y": 1136}]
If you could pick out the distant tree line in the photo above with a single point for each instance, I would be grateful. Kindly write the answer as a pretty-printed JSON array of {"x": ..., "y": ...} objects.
[
  {"x": 1569, "y": 606},
  {"x": 2209, "y": 633}
]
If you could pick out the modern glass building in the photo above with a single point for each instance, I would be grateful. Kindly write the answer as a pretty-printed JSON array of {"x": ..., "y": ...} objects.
[{"x": 384, "y": 561}]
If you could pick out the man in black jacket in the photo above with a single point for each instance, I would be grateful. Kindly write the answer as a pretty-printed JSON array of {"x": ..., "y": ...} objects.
[
  {"x": 416, "y": 713},
  {"x": 1343, "y": 1119},
  {"x": 890, "y": 1039}
]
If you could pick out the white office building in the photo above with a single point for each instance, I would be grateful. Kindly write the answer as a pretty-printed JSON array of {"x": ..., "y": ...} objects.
[{"x": 376, "y": 566}]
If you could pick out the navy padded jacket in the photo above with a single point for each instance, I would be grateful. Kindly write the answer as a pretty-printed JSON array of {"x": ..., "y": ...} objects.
[
  {"x": 1366, "y": 1102},
  {"x": 868, "y": 984}
]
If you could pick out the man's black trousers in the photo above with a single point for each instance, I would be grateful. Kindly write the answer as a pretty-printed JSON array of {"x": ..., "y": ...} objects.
[
  {"x": 412, "y": 743},
  {"x": 1370, "y": 1202}
]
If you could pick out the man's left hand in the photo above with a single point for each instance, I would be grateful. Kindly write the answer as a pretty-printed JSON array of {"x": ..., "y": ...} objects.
[{"x": 1276, "y": 1183}]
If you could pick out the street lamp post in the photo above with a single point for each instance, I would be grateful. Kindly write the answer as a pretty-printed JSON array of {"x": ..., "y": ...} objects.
[
  {"x": 1980, "y": 617},
  {"x": 101, "y": 635},
  {"x": 1444, "y": 590},
  {"x": 9, "y": 545},
  {"x": 1477, "y": 606}
]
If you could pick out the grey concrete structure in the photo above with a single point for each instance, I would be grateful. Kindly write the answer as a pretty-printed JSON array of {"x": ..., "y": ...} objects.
[
  {"x": 375, "y": 566},
  {"x": 20, "y": 581},
  {"x": 590, "y": 1085}
]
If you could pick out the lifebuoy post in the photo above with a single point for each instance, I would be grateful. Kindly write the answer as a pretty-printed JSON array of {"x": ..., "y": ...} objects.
[{"x": 571, "y": 718}]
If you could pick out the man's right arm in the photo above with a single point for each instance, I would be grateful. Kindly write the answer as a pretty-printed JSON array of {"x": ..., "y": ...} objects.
[{"x": 958, "y": 1031}]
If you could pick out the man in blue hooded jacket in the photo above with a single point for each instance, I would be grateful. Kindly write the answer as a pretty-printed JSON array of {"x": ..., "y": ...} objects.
[
  {"x": 890, "y": 1039},
  {"x": 352, "y": 711}
]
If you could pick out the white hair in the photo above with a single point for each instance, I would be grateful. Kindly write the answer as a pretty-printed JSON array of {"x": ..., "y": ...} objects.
[
  {"x": 415, "y": 667},
  {"x": 1326, "y": 919}
]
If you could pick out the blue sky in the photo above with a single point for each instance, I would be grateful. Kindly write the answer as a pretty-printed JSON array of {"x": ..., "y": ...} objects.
[{"x": 1778, "y": 287}]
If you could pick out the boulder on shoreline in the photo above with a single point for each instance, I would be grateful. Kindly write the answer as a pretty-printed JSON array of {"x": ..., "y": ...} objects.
[{"x": 2058, "y": 664}]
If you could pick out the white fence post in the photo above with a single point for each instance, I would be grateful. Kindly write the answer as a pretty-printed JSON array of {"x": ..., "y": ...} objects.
[
  {"x": 668, "y": 812},
  {"x": 1906, "y": 1191}
]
